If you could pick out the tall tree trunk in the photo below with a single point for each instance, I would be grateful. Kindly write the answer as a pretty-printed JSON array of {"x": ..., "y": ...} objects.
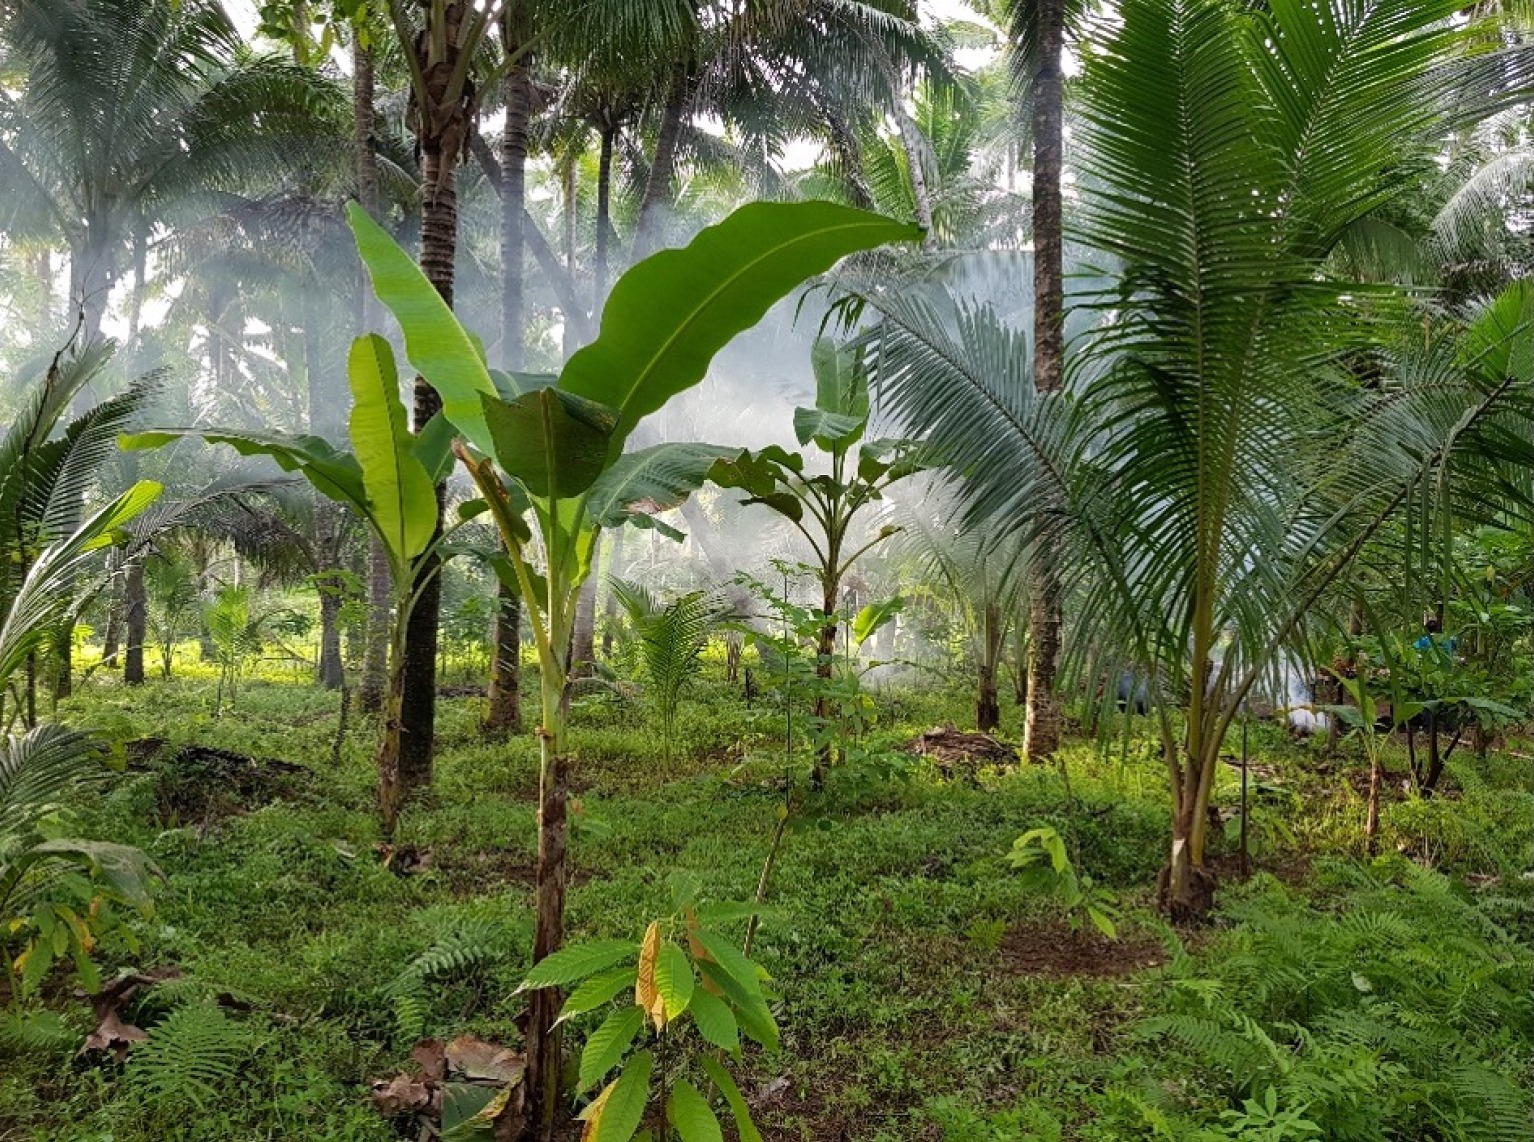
[
  {"x": 505, "y": 693},
  {"x": 375, "y": 662},
  {"x": 915, "y": 145},
  {"x": 518, "y": 93},
  {"x": 442, "y": 131},
  {"x": 140, "y": 280},
  {"x": 136, "y": 620},
  {"x": 604, "y": 219},
  {"x": 1041, "y": 725},
  {"x": 657, "y": 188}
]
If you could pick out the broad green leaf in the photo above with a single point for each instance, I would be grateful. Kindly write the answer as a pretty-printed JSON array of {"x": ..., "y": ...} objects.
[
  {"x": 669, "y": 315},
  {"x": 399, "y": 489},
  {"x": 827, "y": 429},
  {"x": 618, "y": 1110},
  {"x": 554, "y": 443},
  {"x": 715, "y": 1021},
  {"x": 651, "y": 480},
  {"x": 732, "y": 960},
  {"x": 444, "y": 352},
  {"x": 575, "y": 963},
  {"x": 673, "y": 979},
  {"x": 595, "y": 992},
  {"x": 751, "y": 1011},
  {"x": 513, "y": 385},
  {"x": 434, "y": 447},
  {"x": 721, "y": 1079},
  {"x": 609, "y": 1043},
  {"x": 690, "y": 1113},
  {"x": 841, "y": 382},
  {"x": 874, "y": 616},
  {"x": 1103, "y": 922},
  {"x": 332, "y": 472}
]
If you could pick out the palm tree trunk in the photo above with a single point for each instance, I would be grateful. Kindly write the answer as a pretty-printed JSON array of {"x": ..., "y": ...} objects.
[
  {"x": 505, "y": 693},
  {"x": 604, "y": 220},
  {"x": 657, "y": 188},
  {"x": 849, "y": 157},
  {"x": 442, "y": 131},
  {"x": 518, "y": 91},
  {"x": 1041, "y": 725},
  {"x": 136, "y": 620}
]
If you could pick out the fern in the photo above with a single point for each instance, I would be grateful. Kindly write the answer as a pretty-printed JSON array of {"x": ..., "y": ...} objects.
[
  {"x": 36, "y": 1032},
  {"x": 474, "y": 945},
  {"x": 1406, "y": 1013},
  {"x": 190, "y": 1055}
]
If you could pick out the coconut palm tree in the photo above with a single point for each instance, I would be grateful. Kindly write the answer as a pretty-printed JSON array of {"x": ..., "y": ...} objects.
[
  {"x": 132, "y": 116},
  {"x": 1198, "y": 475}
]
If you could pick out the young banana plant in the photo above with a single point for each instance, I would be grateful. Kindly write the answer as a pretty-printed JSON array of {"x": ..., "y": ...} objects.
[
  {"x": 547, "y": 454},
  {"x": 389, "y": 480}
]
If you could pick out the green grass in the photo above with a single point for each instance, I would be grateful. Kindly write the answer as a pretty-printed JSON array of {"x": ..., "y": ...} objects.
[{"x": 910, "y": 1002}]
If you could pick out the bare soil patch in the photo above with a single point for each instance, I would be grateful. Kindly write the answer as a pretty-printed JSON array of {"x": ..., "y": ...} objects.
[{"x": 1052, "y": 949}]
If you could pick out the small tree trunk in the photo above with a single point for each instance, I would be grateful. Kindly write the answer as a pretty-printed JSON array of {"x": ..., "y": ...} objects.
[
  {"x": 1435, "y": 758},
  {"x": 136, "y": 620},
  {"x": 505, "y": 697},
  {"x": 111, "y": 641},
  {"x": 825, "y": 660},
  {"x": 1372, "y": 814},
  {"x": 64, "y": 660},
  {"x": 332, "y": 670},
  {"x": 393, "y": 784},
  {"x": 988, "y": 705},
  {"x": 543, "y": 1032},
  {"x": 1185, "y": 889}
]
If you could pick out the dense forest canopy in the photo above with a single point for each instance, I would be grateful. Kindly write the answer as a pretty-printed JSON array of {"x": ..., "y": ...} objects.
[{"x": 791, "y": 569}]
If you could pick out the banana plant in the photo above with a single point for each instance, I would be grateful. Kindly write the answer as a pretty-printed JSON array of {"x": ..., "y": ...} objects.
[
  {"x": 389, "y": 480},
  {"x": 823, "y": 506},
  {"x": 547, "y": 454}
]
